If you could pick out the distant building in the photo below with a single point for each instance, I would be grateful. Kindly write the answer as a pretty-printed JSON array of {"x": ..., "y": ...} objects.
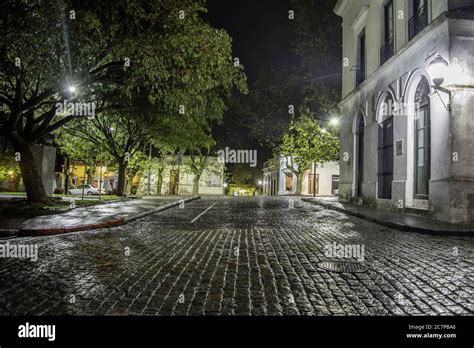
[
  {"x": 279, "y": 180},
  {"x": 407, "y": 102},
  {"x": 177, "y": 179},
  {"x": 242, "y": 190}
]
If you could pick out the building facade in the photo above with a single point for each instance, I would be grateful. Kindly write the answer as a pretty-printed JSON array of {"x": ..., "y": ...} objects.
[
  {"x": 178, "y": 179},
  {"x": 407, "y": 130},
  {"x": 279, "y": 180}
]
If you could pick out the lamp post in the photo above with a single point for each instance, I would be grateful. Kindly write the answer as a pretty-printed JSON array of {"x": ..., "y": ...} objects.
[
  {"x": 439, "y": 69},
  {"x": 260, "y": 187}
]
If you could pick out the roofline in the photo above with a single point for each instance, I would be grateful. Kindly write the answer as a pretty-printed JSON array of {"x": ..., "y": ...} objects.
[{"x": 340, "y": 7}]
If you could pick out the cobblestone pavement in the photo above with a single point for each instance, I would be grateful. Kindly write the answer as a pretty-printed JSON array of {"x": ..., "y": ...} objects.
[{"x": 243, "y": 256}]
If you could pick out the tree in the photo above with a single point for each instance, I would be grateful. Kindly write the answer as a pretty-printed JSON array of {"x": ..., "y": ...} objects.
[
  {"x": 75, "y": 148},
  {"x": 138, "y": 165},
  {"x": 243, "y": 174},
  {"x": 273, "y": 99},
  {"x": 197, "y": 142},
  {"x": 318, "y": 44},
  {"x": 120, "y": 136},
  {"x": 305, "y": 143},
  {"x": 110, "y": 55}
]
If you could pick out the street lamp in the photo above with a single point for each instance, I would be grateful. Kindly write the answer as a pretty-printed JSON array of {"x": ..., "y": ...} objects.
[
  {"x": 334, "y": 121},
  {"x": 71, "y": 89},
  {"x": 438, "y": 70}
]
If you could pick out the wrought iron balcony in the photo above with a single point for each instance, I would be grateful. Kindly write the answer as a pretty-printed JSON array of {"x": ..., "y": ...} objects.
[
  {"x": 387, "y": 51},
  {"x": 418, "y": 22}
]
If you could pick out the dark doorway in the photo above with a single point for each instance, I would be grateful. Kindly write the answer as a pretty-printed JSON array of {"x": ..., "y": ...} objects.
[
  {"x": 311, "y": 184},
  {"x": 360, "y": 155},
  {"x": 385, "y": 159},
  {"x": 335, "y": 184},
  {"x": 422, "y": 140}
]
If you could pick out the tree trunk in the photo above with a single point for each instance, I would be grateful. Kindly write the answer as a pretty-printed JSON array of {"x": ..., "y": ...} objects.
[
  {"x": 31, "y": 176},
  {"x": 90, "y": 173},
  {"x": 159, "y": 184},
  {"x": 299, "y": 184},
  {"x": 196, "y": 184},
  {"x": 122, "y": 178},
  {"x": 66, "y": 175}
]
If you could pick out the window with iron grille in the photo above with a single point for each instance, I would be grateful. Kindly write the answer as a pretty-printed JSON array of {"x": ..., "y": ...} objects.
[
  {"x": 360, "y": 75},
  {"x": 388, "y": 49},
  {"x": 420, "y": 18}
]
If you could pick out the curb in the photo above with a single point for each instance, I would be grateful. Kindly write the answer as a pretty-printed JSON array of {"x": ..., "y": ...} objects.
[
  {"x": 105, "y": 224},
  {"x": 397, "y": 225},
  {"x": 160, "y": 208},
  {"x": 8, "y": 233}
]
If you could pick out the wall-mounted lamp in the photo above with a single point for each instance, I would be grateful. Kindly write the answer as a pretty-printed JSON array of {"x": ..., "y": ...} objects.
[{"x": 439, "y": 69}]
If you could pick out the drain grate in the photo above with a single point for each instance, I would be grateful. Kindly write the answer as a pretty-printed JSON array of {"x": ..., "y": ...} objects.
[{"x": 342, "y": 267}]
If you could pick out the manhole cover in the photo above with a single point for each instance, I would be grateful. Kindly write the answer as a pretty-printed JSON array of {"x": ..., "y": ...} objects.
[{"x": 342, "y": 267}]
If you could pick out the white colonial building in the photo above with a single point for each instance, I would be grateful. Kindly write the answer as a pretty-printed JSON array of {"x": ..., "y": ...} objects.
[
  {"x": 178, "y": 179},
  {"x": 407, "y": 134},
  {"x": 279, "y": 180}
]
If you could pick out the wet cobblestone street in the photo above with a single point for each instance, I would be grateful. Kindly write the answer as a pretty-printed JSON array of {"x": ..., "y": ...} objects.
[{"x": 244, "y": 256}]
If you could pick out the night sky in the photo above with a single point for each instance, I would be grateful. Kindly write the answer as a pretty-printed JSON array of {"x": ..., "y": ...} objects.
[
  {"x": 262, "y": 36},
  {"x": 260, "y": 30}
]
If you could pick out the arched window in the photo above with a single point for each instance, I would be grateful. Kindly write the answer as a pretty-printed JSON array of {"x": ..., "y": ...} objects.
[
  {"x": 422, "y": 138},
  {"x": 385, "y": 149},
  {"x": 359, "y": 148}
]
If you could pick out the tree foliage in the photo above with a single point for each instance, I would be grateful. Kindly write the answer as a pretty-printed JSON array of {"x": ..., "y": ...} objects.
[
  {"x": 159, "y": 56},
  {"x": 318, "y": 44},
  {"x": 306, "y": 142}
]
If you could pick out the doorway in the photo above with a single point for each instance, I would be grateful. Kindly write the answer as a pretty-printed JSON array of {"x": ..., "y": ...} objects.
[
  {"x": 385, "y": 159},
  {"x": 359, "y": 155},
  {"x": 311, "y": 184}
]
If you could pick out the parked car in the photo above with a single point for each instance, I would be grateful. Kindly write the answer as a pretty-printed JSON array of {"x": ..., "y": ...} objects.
[{"x": 88, "y": 190}]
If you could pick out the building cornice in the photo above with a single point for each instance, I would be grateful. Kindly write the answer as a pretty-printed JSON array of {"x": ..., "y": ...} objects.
[
  {"x": 360, "y": 18},
  {"x": 408, "y": 49},
  {"x": 340, "y": 7}
]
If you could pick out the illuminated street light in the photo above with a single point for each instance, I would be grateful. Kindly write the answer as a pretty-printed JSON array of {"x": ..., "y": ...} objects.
[
  {"x": 260, "y": 182},
  {"x": 439, "y": 70},
  {"x": 334, "y": 121},
  {"x": 72, "y": 89}
]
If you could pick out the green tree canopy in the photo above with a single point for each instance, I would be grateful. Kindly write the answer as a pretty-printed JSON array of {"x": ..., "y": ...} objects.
[
  {"x": 155, "y": 55},
  {"x": 307, "y": 142}
]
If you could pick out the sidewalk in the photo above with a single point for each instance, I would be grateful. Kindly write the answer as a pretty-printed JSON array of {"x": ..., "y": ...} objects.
[
  {"x": 403, "y": 222},
  {"x": 88, "y": 218}
]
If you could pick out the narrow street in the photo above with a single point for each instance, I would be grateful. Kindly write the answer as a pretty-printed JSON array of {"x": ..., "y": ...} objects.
[{"x": 239, "y": 256}]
